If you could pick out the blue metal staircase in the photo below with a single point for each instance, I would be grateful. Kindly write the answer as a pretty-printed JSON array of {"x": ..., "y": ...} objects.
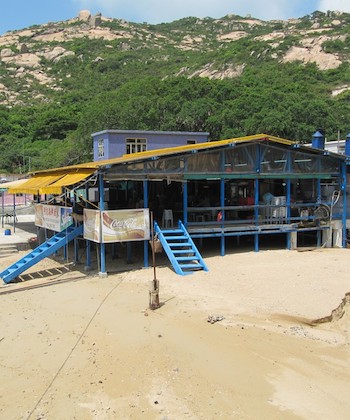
[
  {"x": 44, "y": 250},
  {"x": 180, "y": 249}
]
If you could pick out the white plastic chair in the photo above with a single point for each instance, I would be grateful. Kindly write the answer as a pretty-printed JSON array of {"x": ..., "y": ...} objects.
[{"x": 167, "y": 219}]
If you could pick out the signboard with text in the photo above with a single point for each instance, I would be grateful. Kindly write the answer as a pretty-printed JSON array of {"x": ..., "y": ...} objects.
[
  {"x": 125, "y": 225},
  {"x": 56, "y": 218},
  {"x": 116, "y": 225},
  {"x": 92, "y": 225}
]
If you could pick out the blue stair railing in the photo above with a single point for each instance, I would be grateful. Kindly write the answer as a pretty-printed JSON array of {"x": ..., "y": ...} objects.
[
  {"x": 180, "y": 249},
  {"x": 42, "y": 251}
]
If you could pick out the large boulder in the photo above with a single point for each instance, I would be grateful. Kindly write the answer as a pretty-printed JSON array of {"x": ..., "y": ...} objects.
[
  {"x": 84, "y": 15},
  {"x": 23, "y": 60},
  {"x": 6, "y": 52},
  {"x": 57, "y": 54}
]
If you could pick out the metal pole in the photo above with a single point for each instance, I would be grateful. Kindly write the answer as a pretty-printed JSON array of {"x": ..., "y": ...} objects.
[
  {"x": 2, "y": 208},
  {"x": 222, "y": 205},
  {"x": 185, "y": 202},
  {"x": 101, "y": 190},
  {"x": 256, "y": 212},
  {"x": 344, "y": 214},
  {"x": 14, "y": 213},
  {"x": 145, "y": 205},
  {"x": 154, "y": 285},
  {"x": 88, "y": 243},
  {"x": 319, "y": 233},
  {"x": 288, "y": 202}
]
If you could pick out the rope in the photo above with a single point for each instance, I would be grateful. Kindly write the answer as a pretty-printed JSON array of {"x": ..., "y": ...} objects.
[{"x": 73, "y": 348}]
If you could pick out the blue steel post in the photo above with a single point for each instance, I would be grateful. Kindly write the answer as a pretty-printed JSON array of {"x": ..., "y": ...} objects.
[
  {"x": 88, "y": 243},
  {"x": 38, "y": 228},
  {"x": 344, "y": 215},
  {"x": 222, "y": 205},
  {"x": 318, "y": 142},
  {"x": 101, "y": 192},
  {"x": 145, "y": 205},
  {"x": 319, "y": 233},
  {"x": 256, "y": 213},
  {"x": 2, "y": 207},
  {"x": 185, "y": 203},
  {"x": 288, "y": 201},
  {"x": 14, "y": 213},
  {"x": 256, "y": 197}
]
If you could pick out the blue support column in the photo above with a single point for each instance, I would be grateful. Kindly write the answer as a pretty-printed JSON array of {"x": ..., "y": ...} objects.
[
  {"x": 185, "y": 203},
  {"x": 101, "y": 191},
  {"x": 344, "y": 215},
  {"x": 222, "y": 204},
  {"x": 2, "y": 207},
  {"x": 38, "y": 228},
  {"x": 288, "y": 201},
  {"x": 256, "y": 196},
  {"x": 319, "y": 233},
  {"x": 14, "y": 213},
  {"x": 88, "y": 243},
  {"x": 145, "y": 243},
  {"x": 256, "y": 213}
]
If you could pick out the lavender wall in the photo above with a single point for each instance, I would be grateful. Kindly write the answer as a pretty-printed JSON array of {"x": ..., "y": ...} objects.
[{"x": 114, "y": 140}]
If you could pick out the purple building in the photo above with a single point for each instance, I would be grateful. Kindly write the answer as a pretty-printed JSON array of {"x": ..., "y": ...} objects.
[{"x": 109, "y": 144}]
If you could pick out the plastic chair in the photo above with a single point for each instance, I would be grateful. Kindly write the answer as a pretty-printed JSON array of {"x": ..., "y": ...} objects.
[
  {"x": 167, "y": 219},
  {"x": 200, "y": 218}
]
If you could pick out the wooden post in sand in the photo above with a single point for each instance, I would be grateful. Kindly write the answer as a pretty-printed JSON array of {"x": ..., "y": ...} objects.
[{"x": 154, "y": 285}]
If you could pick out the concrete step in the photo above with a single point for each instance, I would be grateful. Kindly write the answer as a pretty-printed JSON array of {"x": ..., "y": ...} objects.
[{"x": 8, "y": 249}]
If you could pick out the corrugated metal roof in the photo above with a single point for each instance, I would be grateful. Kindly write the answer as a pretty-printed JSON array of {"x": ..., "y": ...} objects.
[{"x": 181, "y": 150}]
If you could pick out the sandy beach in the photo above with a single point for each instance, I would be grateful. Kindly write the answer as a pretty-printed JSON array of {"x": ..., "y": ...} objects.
[{"x": 77, "y": 346}]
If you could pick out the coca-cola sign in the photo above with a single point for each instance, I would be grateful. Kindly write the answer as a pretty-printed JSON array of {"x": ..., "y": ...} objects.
[{"x": 117, "y": 225}]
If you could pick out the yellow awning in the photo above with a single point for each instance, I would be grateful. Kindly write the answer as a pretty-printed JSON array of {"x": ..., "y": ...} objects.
[
  {"x": 34, "y": 184},
  {"x": 12, "y": 184},
  {"x": 68, "y": 179}
]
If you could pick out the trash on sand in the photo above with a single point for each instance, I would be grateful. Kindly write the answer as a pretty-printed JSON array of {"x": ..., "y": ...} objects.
[{"x": 215, "y": 318}]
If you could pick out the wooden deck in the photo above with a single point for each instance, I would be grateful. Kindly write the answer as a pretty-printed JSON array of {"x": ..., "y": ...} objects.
[{"x": 216, "y": 229}]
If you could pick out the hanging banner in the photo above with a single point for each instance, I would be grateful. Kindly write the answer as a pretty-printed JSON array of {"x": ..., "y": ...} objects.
[
  {"x": 125, "y": 225},
  {"x": 92, "y": 225},
  {"x": 56, "y": 218}
]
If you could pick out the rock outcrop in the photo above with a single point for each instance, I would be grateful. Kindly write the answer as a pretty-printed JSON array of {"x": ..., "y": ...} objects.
[
  {"x": 310, "y": 51},
  {"x": 84, "y": 15},
  {"x": 30, "y": 54}
]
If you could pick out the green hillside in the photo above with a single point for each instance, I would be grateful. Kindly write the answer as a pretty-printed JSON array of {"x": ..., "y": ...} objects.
[{"x": 233, "y": 76}]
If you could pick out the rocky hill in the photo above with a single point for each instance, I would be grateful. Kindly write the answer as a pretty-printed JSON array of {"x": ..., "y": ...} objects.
[
  {"x": 28, "y": 57},
  {"x": 72, "y": 62}
]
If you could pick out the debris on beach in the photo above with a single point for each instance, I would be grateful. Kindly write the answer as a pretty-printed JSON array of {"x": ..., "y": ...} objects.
[{"x": 215, "y": 318}]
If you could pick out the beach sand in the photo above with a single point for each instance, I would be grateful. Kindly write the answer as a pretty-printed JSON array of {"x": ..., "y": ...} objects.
[{"x": 78, "y": 346}]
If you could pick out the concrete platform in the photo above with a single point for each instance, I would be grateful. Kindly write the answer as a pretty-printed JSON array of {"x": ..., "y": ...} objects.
[{"x": 21, "y": 233}]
